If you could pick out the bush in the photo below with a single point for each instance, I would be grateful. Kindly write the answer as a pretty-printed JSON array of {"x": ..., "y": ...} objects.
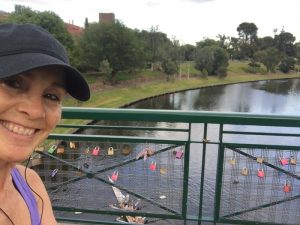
[
  {"x": 213, "y": 59},
  {"x": 222, "y": 71},
  {"x": 287, "y": 64}
]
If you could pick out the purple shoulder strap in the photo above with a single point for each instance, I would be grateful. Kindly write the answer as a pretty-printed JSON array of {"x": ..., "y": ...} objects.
[{"x": 27, "y": 195}]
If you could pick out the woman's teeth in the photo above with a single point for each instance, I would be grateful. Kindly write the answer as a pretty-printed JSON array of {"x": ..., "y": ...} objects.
[{"x": 17, "y": 128}]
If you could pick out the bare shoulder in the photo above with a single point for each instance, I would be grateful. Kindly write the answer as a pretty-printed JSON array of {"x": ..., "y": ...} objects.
[
  {"x": 36, "y": 184},
  {"x": 30, "y": 175}
]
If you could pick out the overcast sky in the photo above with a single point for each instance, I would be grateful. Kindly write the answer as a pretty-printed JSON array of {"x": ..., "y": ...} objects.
[{"x": 188, "y": 21}]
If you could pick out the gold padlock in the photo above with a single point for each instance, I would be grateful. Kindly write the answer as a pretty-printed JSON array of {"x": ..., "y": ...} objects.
[
  {"x": 245, "y": 171},
  {"x": 110, "y": 151},
  {"x": 60, "y": 150},
  {"x": 260, "y": 160},
  {"x": 87, "y": 151},
  {"x": 232, "y": 161},
  {"x": 293, "y": 161},
  {"x": 72, "y": 144}
]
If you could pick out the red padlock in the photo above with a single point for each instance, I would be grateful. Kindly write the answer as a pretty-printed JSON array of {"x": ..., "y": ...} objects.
[
  {"x": 115, "y": 176},
  {"x": 283, "y": 161},
  {"x": 153, "y": 166},
  {"x": 287, "y": 187},
  {"x": 260, "y": 173},
  {"x": 96, "y": 151}
]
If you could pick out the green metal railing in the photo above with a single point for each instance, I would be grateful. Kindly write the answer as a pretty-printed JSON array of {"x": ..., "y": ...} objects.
[{"x": 204, "y": 167}]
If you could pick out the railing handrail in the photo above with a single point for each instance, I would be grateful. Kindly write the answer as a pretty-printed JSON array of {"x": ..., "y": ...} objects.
[{"x": 180, "y": 116}]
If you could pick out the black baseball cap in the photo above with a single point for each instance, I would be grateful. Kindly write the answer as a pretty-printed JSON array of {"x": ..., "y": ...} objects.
[{"x": 24, "y": 47}]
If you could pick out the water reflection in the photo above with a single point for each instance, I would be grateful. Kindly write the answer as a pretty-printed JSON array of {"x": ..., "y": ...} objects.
[{"x": 262, "y": 97}]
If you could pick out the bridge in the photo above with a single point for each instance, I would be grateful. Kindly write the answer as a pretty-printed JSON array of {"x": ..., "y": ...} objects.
[{"x": 176, "y": 167}]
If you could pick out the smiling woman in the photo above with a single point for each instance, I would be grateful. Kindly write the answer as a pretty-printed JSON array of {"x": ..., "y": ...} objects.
[{"x": 35, "y": 76}]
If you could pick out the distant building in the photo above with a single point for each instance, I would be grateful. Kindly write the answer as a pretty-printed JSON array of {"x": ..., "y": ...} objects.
[
  {"x": 3, "y": 15},
  {"x": 74, "y": 30},
  {"x": 106, "y": 17}
]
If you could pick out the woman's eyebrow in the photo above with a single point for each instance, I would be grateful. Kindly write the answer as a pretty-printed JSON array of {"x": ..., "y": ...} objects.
[{"x": 59, "y": 85}]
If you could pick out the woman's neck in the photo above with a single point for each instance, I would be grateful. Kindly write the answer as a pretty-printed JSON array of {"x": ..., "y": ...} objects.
[{"x": 5, "y": 176}]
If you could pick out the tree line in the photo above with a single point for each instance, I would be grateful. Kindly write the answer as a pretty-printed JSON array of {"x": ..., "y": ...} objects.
[{"x": 113, "y": 47}]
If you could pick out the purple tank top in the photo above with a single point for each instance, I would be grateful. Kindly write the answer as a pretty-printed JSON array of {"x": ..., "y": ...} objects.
[{"x": 27, "y": 195}]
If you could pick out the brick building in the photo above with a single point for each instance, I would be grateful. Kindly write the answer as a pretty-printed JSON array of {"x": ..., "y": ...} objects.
[
  {"x": 74, "y": 30},
  {"x": 106, "y": 17}
]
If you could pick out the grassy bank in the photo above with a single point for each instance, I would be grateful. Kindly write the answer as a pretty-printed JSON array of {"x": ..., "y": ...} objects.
[{"x": 117, "y": 97}]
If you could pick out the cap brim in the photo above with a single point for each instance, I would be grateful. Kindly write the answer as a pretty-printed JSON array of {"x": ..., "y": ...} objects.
[{"x": 76, "y": 85}]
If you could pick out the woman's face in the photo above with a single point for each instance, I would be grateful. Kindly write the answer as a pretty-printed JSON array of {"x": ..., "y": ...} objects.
[{"x": 30, "y": 107}]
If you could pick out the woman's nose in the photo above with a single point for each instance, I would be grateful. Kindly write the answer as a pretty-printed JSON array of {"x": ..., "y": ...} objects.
[{"x": 33, "y": 107}]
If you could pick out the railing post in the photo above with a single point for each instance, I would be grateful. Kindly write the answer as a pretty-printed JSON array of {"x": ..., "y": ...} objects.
[
  {"x": 219, "y": 175},
  {"x": 186, "y": 175},
  {"x": 202, "y": 172}
]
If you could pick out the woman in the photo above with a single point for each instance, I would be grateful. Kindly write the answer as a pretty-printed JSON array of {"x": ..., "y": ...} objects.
[{"x": 35, "y": 76}]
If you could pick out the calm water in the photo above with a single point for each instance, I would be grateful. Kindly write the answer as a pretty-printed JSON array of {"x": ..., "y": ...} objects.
[{"x": 263, "y": 97}]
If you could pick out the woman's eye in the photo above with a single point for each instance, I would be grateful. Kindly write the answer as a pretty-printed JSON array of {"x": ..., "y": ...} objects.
[
  {"x": 52, "y": 97},
  {"x": 12, "y": 83}
]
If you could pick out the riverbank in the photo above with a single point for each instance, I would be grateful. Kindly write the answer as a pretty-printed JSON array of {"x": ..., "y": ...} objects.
[
  {"x": 119, "y": 96},
  {"x": 139, "y": 87}
]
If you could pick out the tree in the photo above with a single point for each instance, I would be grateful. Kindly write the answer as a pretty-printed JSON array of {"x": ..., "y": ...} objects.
[
  {"x": 285, "y": 43},
  {"x": 213, "y": 59},
  {"x": 113, "y": 42},
  {"x": 86, "y": 23},
  {"x": 247, "y": 32},
  {"x": 50, "y": 22},
  {"x": 157, "y": 45},
  {"x": 187, "y": 51},
  {"x": 207, "y": 42},
  {"x": 265, "y": 42},
  {"x": 170, "y": 67},
  {"x": 269, "y": 57},
  {"x": 287, "y": 64}
]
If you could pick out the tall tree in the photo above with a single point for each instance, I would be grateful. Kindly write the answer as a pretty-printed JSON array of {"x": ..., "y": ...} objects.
[
  {"x": 285, "y": 43},
  {"x": 113, "y": 42},
  {"x": 247, "y": 32}
]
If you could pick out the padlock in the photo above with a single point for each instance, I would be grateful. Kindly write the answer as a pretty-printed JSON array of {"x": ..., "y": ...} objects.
[
  {"x": 232, "y": 161},
  {"x": 72, "y": 145},
  {"x": 52, "y": 149},
  {"x": 283, "y": 161},
  {"x": 36, "y": 161},
  {"x": 39, "y": 149},
  {"x": 287, "y": 187},
  {"x": 163, "y": 170},
  {"x": 153, "y": 166},
  {"x": 53, "y": 173},
  {"x": 260, "y": 173},
  {"x": 87, "y": 151},
  {"x": 60, "y": 150},
  {"x": 127, "y": 149},
  {"x": 86, "y": 165},
  {"x": 293, "y": 161},
  {"x": 260, "y": 160},
  {"x": 115, "y": 176},
  {"x": 179, "y": 154},
  {"x": 96, "y": 151},
  {"x": 245, "y": 171},
  {"x": 110, "y": 151}
]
